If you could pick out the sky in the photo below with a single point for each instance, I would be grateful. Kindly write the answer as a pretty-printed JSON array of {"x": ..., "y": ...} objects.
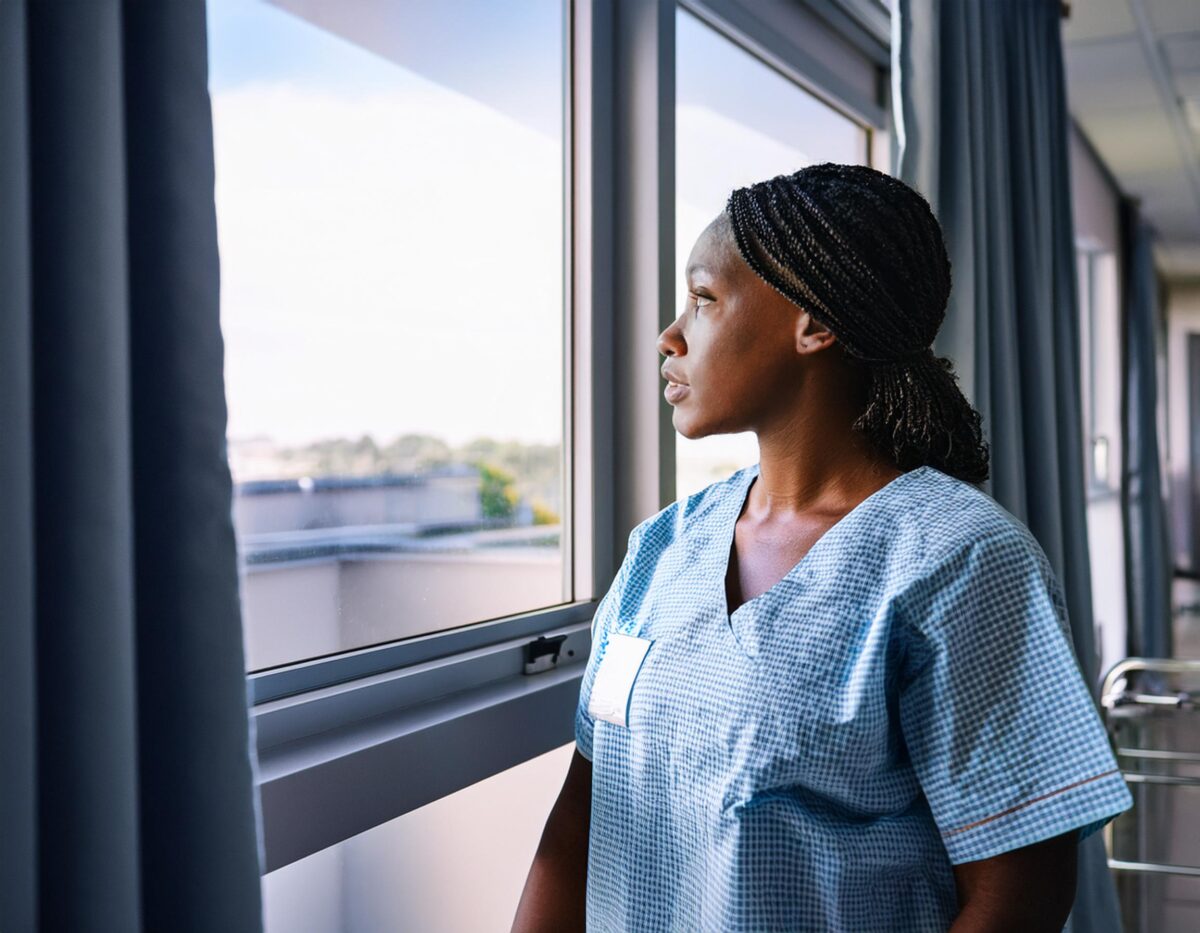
[
  {"x": 391, "y": 249},
  {"x": 390, "y": 221}
]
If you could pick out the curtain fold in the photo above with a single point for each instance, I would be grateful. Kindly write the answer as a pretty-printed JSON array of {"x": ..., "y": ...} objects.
[
  {"x": 1148, "y": 560},
  {"x": 981, "y": 123},
  {"x": 18, "y": 714},
  {"x": 127, "y": 773}
]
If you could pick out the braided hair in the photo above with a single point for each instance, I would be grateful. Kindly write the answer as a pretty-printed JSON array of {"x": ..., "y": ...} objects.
[{"x": 863, "y": 253}]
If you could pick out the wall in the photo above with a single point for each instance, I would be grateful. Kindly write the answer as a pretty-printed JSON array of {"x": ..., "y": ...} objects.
[{"x": 457, "y": 865}]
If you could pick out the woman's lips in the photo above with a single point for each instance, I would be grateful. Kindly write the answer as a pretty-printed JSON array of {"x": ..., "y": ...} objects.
[{"x": 675, "y": 391}]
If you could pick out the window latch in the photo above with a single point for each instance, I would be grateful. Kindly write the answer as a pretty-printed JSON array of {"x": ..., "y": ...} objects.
[{"x": 542, "y": 655}]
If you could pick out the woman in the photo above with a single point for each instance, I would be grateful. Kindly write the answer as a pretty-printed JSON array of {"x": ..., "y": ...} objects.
[{"x": 834, "y": 691}]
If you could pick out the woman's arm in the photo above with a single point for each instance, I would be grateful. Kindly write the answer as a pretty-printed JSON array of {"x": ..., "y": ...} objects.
[
  {"x": 553, "y": 899},
  {"x": 1029, "y": 889}
]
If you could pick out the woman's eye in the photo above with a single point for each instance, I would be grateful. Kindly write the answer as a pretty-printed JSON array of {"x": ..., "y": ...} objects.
[{"x": 701, "y": 301}]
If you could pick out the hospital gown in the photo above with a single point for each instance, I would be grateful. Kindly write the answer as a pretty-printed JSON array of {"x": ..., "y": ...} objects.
[{"x": 905, "y": 699}]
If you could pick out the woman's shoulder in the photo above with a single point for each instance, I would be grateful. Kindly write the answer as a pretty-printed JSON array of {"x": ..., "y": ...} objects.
[
  {"x": 947, "y": 505},
  {"x": 941, "y": 519},
  {"x": 982, "y": 573}
]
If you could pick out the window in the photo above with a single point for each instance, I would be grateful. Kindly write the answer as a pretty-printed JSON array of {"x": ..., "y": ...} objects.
[
  {"x": 1100, "y": 366},
  {"x": 737, "y": 121},
  {"x": 390, "y": 212}
]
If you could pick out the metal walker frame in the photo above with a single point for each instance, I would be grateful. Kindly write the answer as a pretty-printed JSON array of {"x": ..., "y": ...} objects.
[{"x": 1117, "y": 702}]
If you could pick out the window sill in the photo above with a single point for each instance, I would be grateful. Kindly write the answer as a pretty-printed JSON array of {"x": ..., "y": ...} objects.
[
  {"x": 308, "y": 677},
  {"x": 344, "y": 759}
]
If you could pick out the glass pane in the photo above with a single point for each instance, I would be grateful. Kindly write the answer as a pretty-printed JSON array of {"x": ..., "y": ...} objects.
[
  {"x": 390, "y": 212},
  {"x": 457, "y": 864},
  {"x": 737, "y": 121}
]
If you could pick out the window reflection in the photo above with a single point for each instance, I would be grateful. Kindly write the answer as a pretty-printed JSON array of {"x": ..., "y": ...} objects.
[{"x": 737, "y": 121}]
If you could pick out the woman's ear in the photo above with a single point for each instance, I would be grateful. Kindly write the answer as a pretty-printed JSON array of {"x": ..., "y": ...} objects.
[{"x": 811, "y": 334}]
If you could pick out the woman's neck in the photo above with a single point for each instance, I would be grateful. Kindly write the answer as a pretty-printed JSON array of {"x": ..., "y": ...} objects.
[{"x": 798, "y": 475}]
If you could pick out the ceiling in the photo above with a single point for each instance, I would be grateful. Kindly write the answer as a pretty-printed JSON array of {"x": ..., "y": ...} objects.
[{"x": 1133, "y": 83}]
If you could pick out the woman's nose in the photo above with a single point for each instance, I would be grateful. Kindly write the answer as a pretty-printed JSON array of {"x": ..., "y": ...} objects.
[{"x": 670, "y": 341}]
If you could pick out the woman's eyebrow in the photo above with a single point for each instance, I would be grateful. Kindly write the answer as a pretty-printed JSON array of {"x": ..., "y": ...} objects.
[{"x": 697, "y": 267}]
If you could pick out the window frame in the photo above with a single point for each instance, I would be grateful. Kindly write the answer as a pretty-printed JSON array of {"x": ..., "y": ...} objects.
[
  {"x": 793, "y": 42},
  {"x": 332, "y": 733}
]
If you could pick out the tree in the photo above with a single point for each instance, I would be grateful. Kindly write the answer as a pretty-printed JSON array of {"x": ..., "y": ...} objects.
[
  {"x": 415, "y": 453},
  {"x": 543, "y": 514},
  {"x": 497, "y": 492}
]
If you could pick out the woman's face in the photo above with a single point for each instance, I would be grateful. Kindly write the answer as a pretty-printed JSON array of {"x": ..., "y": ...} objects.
[{"x": 740, "y": 350}]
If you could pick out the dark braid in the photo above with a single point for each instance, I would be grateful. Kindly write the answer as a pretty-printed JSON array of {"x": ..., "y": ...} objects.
[{"x": 863, "y": 253}]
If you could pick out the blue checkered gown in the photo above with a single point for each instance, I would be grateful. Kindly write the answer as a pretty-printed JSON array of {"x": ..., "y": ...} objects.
[{"x": 905, "y": 699}]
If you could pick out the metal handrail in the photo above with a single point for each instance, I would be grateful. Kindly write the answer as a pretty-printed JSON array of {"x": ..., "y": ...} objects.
[
  {"x": 1157, "y": 754},
  {"x": 1170, "y": 780},
  {"x": 1175, "y": 701},
  {"x": 1111, "y": 700},
  {"x": 1158, "y": 665},
  {"x": 1154, "y": 868}
]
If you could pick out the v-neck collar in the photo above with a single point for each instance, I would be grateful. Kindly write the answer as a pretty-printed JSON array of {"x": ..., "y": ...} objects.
[{"x": 738, "y": 503}]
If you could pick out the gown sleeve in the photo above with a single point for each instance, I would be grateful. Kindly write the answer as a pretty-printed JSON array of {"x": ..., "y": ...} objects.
[
  {"x": 1000, "y": 728},
  {"x": 606, "y": 612}
]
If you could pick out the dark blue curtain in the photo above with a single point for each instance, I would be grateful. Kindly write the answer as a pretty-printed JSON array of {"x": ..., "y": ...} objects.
[
  {"x": 126, "y": 775},
  {"x": 981, "y": 130},
  {"x": 1148, "y": 567}
]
